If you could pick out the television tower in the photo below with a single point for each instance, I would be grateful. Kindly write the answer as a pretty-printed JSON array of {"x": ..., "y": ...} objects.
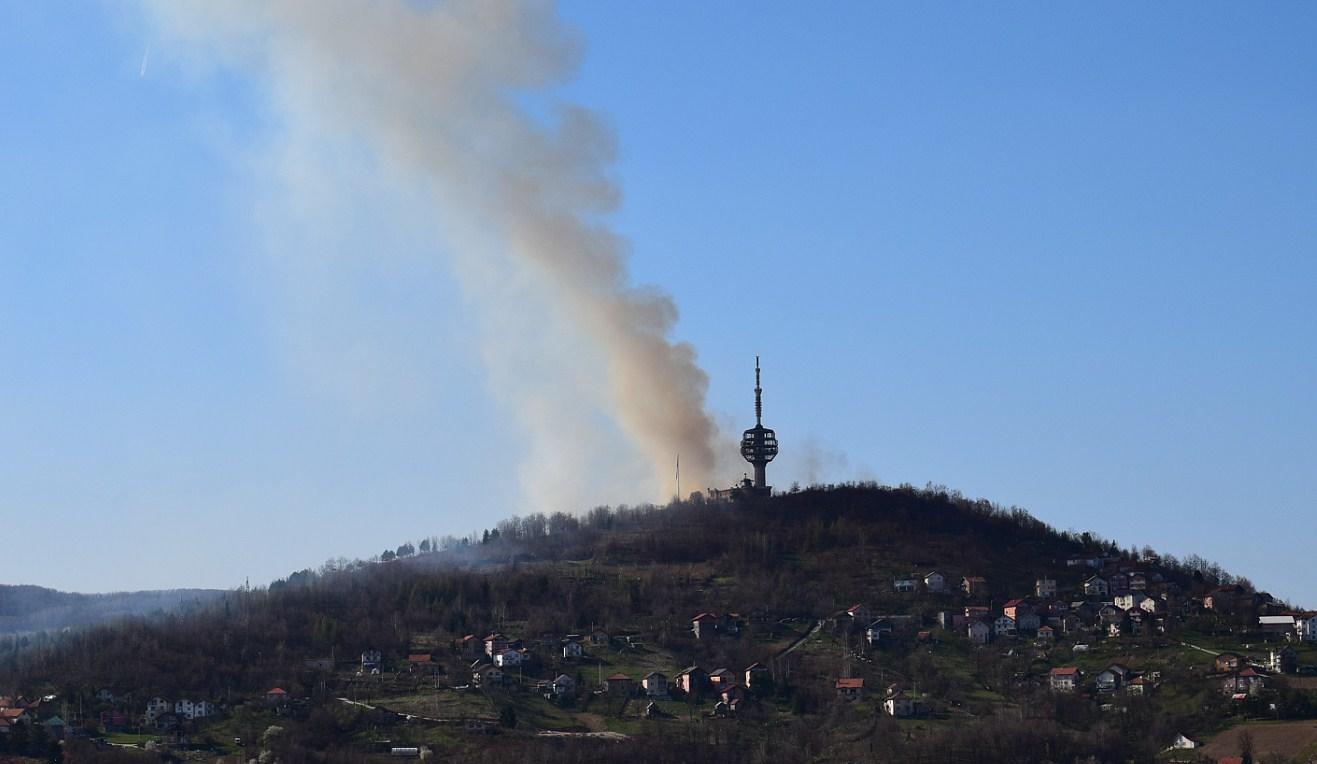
[{"x": 759, "y": 444}]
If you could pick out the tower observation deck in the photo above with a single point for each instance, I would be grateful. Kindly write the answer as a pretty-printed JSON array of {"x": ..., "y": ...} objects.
[{"x": 759, "y": 444}]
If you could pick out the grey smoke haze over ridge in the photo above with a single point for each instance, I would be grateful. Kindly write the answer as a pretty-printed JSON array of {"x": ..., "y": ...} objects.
[{"x": 435, "y": 92}]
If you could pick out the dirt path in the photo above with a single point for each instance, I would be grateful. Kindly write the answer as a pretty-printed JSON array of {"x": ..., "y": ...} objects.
[
  {"x": 596, "y": 735},
  {"x": 1200, "y": 649},
  {"x": 408, "y": 717},
  {"x": 787, "y": 650}
]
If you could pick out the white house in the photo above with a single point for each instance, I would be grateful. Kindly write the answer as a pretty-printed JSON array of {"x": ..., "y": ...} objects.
[
  {"x": 1131, "y": 600},
  {"x": 1306, "y": 626},
  {"x": 370, "y": 659},
  {"x": 935, "y": 582},
  {"x": 978, "y": 632},
  {"x": 507, "y": 658},
  {"x": 194, "y": 710},
  {"x": 1003, "y": 625},
  {"x": 1096, "y": 587},
  {"x": 903, "y": 584},
  {"x": 1045, "y": 587},
  {"x": 1064, "y": 679},
  {"x": 572, "y": 649},
  {"x": 1183, "y": 742},
  {"x": 155, "y": 707},
  {"x": 899, "y": 704}
]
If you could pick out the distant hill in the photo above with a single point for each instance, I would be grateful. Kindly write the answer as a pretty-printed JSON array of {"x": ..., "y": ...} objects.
[{"x": 35, "y": 608}]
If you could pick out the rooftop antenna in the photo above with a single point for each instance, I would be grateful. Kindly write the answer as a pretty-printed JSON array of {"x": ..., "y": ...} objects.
[{"x": 759, "y": 397}]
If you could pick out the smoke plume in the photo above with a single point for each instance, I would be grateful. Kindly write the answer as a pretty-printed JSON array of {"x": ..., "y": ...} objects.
[{"x": 456, "y": 97}]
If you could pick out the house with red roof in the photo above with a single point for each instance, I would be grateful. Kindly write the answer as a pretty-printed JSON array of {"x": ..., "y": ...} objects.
[
  {"x": 850, "y": 688},
  {"x": 1064, "y": 678},
  {"x": 620, "y": 685},
  {"x": 1015, "y": 608}
]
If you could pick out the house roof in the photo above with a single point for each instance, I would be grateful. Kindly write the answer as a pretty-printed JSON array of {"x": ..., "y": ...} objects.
[
  {"x": 619, "y": 677},
  {"x": 12, "y": 713},
  {"x": 653, "y": 674},
  {"x": 705, "y": 617},
  {"x": 975, "y": 579},
  {"x": 756, "y": 666},
  {"x": 1015, "y": 602},
  {"x": 1065, "y": 671},
  {"x": 854, "y": 608},
  {"x": 277, "y": 691},
  {"x": 850, "y": 683},
  {"x": 420, "y": 658},
  {"x": 690, "y": 670}
]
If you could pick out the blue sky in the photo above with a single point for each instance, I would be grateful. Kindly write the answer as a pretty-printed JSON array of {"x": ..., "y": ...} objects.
[{"x": 1056, "y": 257}]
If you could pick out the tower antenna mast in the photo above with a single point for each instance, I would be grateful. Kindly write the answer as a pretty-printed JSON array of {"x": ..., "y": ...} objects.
[{"x": 759, "y": 444}]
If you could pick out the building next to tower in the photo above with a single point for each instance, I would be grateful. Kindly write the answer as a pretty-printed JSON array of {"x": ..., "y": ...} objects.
[{"x": 758, "y": 447}]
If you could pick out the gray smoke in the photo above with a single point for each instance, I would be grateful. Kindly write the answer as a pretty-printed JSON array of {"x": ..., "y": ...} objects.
[{"x": 443, "y": 94}]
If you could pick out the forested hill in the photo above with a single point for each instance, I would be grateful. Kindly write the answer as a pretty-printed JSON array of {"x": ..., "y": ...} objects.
[
  {"x": 808, "y": 553},
  {"x": 820, "y": 591},
  {"x": 35, "y": 608}
]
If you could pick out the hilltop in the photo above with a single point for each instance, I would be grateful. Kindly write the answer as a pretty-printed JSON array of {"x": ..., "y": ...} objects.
[{"x": 548, "y": 624}]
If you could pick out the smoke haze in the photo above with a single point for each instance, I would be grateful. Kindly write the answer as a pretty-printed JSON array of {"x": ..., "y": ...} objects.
[{"x": 450, "y": 98}]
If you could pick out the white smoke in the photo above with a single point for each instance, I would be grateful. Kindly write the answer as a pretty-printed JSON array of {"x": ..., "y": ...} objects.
[{"x": 439, "y": 92}]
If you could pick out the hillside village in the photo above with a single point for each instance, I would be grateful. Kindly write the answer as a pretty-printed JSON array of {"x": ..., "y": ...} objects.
[{"x": 1096, "y": 635}]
